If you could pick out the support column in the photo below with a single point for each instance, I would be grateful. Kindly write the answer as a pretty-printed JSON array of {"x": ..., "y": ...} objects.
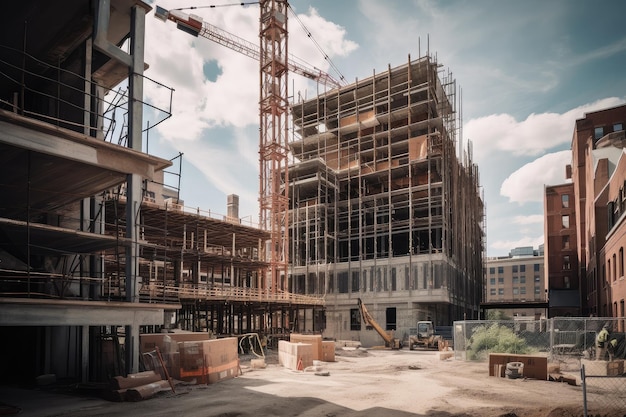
[{"x": 84, "y": 356}]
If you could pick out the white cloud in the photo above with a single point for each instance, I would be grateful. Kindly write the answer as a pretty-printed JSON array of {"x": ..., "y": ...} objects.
[
  {"x": 527, "y": 183},
  {"x": 531, "y": 137},
  {"x": 532, "y": 219}
]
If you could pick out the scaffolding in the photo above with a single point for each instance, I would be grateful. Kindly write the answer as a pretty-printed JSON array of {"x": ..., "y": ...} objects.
[{"x": 382, "y": 207}]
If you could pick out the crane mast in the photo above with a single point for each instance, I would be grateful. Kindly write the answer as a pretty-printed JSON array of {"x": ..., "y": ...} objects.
[
  {"x": 273, "y": 147},
  {"x": 275, "y": 64}
]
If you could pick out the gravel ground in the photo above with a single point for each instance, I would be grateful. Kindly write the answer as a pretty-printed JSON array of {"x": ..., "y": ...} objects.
[{"x": 359, "y": 383}]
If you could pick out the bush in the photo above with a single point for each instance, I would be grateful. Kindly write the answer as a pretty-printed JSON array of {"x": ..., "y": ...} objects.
[{"x": 494, "y": 339}]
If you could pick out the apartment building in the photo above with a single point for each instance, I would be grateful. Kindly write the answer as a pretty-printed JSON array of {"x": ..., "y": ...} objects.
[
  {"x": 382, "y": 207},
  {"x": 515, "y": 280},
  {"x": 561, "y": 260}
]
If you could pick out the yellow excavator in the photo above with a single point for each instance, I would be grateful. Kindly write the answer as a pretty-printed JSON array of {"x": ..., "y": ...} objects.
[{"x": 390, "y": 341}]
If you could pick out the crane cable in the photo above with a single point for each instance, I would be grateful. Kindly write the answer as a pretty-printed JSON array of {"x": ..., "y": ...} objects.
[
  {"x": 213, "y": 6},
  {"x": 319, "y": 47}
]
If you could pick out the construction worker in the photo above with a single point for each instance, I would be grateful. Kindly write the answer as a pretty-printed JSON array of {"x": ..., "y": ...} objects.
[
  {"x": 601, "y": 340},
  {"x": 611, "y": 348}
]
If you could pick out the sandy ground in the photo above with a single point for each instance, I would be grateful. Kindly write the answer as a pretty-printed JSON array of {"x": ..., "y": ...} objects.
[{"x": 359, "y": 383}]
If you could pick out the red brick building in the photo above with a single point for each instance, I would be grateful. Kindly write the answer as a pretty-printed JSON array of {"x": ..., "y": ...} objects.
[{"x": 596, "y": 251}]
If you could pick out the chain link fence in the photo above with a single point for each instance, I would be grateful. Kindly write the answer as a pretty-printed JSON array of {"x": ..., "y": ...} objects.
[{"x": 568, "y": 343}]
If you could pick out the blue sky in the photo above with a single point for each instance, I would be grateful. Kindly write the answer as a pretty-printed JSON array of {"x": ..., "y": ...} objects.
[{"x": 526, "y": 71}]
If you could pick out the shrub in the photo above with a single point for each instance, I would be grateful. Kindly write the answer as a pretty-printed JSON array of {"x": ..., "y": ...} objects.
[{"x": 496, "y": 339}]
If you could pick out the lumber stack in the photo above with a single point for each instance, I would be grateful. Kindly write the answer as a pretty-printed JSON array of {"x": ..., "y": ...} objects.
[{"x": 136, "y": 387}]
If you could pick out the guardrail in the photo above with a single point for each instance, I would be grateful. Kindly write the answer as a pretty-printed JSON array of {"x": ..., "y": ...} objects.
[{"x": 156, "y": 292}]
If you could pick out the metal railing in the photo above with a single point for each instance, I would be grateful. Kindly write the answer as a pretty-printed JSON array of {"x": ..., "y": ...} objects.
[{"x": 158, "y": 292}]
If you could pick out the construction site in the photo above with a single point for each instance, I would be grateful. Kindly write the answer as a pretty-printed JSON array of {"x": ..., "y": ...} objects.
[{"x": 366, "y": 192}]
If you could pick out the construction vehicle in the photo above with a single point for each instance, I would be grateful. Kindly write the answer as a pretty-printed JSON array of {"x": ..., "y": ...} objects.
[
  {"x": 390, "y": 341},
  {"x": 423, "y": 336}
]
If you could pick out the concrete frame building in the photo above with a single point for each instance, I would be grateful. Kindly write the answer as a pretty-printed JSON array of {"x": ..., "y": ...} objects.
[
  {"x": 515, "y": 280},
  {"x": 382, "y": 208},
  {"x": 94, "y": 249}
]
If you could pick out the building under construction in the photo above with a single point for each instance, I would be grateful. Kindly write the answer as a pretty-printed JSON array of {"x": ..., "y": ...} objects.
[
  {"x": 382, "y": 208},
  {"x": 94, "y": 248}
]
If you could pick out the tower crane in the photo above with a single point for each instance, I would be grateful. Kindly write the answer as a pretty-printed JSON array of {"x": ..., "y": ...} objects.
[{"x": 275, "y": 64}]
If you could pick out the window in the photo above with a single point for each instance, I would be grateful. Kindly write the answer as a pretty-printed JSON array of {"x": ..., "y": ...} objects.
[
  {"x": 500, "y": 270},
  {"x": 565, "y": 242},
  {"x": 537, "y": 290},
  {"x": 565, "y": 221},
  {"x": 522, "y": 280},
  {"x": 617, "y": 127},
  {"x": 614, "y": 267},
  {"x": 515, "y": 291},
  {"x": 536, "y": 267},
  {"x": 500, "y": 291},
  {"x": 522, "y": 290},
  {"x": 500, "y": 280},
  {"x": 537, "y": 278},
  {"x": 566, "y": 264},
  {"x": 598, "y": 132},
  {"x": 608, "y": 268},
  {"x": 492, "y": 281},
  {"x": 492, "y": 270},
  {"x": 522, "y": 268},
  {"x": 515, "y": 269},
  {"x": 515, "y": 280},
  {"x": 355, "y": 319},
  {"x": 355, "y": 281},
  {"x": 566, "y": 283},
  {"x": 492, "y": 291},
  {"x": 565, "y": 200},
  {"x": 621, "y": 262}
]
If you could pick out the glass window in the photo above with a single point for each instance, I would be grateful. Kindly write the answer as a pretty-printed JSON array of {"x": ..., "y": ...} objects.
[
  {"x": 500, "y": 270},
  {"x": 566, "y": 283},
  {"x": 565, "y": 242},
  {"x": 537, "y": 278},
  {"x": 565, "y": 200},
  {"x": 566, "y": 264},
  {"x": 515, "y": 291},
  {"x": 536, "y": 267},
  {"x": 537, "y": 290},
  {"x": 492, "y": 281},
  {"x": 598, "y": 132},
  {"x": 500, "y": 291},
  {"x": 515, "y": 280},
  {"x": 522, "y": 268},
  {"x": 514, "y": 269},
  {"x": 522, "y": 290},
  {"x": 492, "y": 270},
  {"x": 355, "y": 319},
  {"x": 617, "y": 127},
  {"x": 522, "y": 280},
  {"x": 565, "y": 221},
  {"x": 492, "y": 291},
  {"x": 500, "y": 280}
]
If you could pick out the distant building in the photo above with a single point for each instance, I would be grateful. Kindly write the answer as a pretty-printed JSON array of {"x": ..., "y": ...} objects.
[
  {"x": 511, "y": 281},
  {"x": 561, "y": 262}
]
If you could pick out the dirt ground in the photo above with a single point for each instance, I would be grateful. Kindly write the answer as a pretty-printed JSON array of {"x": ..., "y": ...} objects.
[{"x": 359, "y": 383}]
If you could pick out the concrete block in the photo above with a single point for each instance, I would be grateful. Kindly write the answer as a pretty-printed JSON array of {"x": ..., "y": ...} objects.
[{"x": 292, "y": 354}]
